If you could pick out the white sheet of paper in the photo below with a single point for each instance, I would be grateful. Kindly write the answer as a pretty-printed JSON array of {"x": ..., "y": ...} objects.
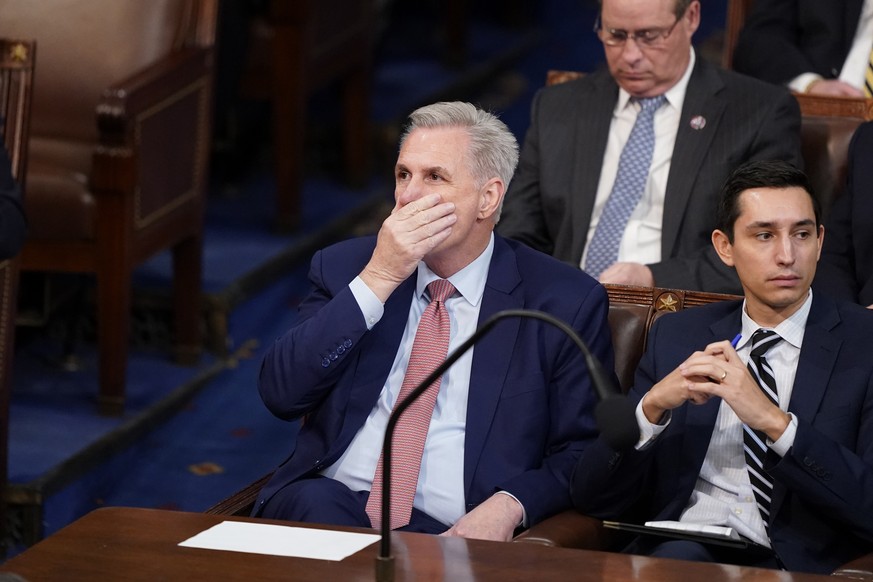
[{"x": 280, "y": 540}]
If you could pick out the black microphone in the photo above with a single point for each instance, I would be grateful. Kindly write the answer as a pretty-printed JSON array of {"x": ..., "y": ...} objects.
[{"x": 614, "y": 415}]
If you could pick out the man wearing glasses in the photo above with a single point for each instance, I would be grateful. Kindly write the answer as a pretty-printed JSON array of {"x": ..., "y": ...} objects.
[{"x": 634, "y": 203}]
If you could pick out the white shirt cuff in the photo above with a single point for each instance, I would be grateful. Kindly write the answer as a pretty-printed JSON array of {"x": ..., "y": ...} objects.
[
  {"x": 649, "y": 431},
  {"x": 523, "y": 510},
  {"x": 799, "y": 83},
  {"x": 786, "y": 441},
  {"x": 371, "y": 308}
]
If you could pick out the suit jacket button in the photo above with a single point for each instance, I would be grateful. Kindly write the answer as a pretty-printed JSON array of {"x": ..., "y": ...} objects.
[
  {"x": 340, "y": 350},
  {"x": 347, "y": 344},
  {"x": 333, "y": 356},
  {"x": 325, "y": 363}
]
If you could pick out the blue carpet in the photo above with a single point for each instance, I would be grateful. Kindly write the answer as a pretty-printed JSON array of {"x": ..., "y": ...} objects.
[{"x": 220, "y": 441}]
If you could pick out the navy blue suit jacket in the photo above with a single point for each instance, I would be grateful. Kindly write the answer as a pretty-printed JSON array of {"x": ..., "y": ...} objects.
[
  {"x": 822, "y": 508},
  {"x": 529, "y": 411},
  {"x": 846, "y": 267}
]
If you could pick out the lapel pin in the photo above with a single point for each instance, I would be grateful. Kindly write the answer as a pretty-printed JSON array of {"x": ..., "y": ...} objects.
[{"x": 698, "y": 122}]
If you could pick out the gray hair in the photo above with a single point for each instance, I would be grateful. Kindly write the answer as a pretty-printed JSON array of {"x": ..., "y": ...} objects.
[{"x": 493, "y": 150}]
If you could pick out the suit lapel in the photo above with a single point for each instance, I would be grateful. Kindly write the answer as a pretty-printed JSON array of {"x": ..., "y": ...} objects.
[
  {"x": 492, "y": 355},
  {"x": 702, "y": 101},
  {"x": 592, "y": 133},
  {"x": 817, "y": 357}
]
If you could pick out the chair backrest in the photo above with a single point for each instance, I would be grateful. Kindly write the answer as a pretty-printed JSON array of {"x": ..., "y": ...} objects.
[
  {"x": 737, "y": 12},
  {"x": 16, "y": 82},
  {"x": 827, "y": 126},
  {"x": 16, "y": 89},
  {"x": 75, "y": 65},
  {"x": 555, "y": 76},
  {"x": 633, "y": 310}
]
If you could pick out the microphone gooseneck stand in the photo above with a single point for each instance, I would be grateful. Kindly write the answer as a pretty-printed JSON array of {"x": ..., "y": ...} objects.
[{"x": 614, "y": 415}]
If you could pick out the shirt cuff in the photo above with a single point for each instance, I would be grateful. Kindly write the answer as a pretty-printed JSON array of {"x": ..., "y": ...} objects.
[
  {"x": 523, "y": 510},
  {"x": 371, "y": 308},
  {"x": 786, "y": 441},
  {"x": 801, "y": 83},
  {"x": 649, "y": 431}
]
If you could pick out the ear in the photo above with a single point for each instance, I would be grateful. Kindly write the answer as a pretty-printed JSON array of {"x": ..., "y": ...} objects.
[
  {"x": 821, "y": 233},
  {"x": 490, "y": 197},
  {"x": 723, "y": 247},
  {"x": 692, "y": 14}
]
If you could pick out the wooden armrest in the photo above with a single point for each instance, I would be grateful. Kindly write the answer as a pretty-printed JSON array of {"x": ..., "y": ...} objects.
[
  {"x": 148, "y": 88},
  {"x": 568, "y": 529},
  {"x": 156, "y": 125},
  {"x": 243, "y": 501},
  {"x": 858, "y": 569}
]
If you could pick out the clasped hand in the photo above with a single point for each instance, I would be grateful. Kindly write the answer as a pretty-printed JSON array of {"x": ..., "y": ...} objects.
[{"x": 717, "y": 371}]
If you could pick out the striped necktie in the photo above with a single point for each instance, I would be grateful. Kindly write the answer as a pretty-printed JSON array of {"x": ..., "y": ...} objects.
[
  {"x": 754, "y": 441},
  {"x": 630, "y": 182},
  {"x": 429, "y": 350}
]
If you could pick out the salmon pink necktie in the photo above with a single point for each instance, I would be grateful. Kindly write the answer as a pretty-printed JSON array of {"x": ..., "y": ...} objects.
[{"x": 429, "y": 350}]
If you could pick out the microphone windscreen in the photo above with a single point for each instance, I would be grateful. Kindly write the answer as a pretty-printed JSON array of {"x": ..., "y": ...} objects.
[{"x": 617, "y": 422}]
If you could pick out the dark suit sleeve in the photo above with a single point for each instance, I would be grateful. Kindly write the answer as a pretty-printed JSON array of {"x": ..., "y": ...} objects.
[
  {"x": 768, "y": 47},
  {"x": 835, "y": 479},
  {"x": 522, "y": 217},
  {"x": 13, "y": 226},
  {"x": 836, "y": 272},
  {"x": 303, "y": 365},
  {"x": 776, "y": 119}
]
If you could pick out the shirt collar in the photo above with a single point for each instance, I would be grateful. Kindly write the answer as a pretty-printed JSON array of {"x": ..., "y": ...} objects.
[
  {"x": 791, "y": 330},
  {"x": 469, "y": 281}
]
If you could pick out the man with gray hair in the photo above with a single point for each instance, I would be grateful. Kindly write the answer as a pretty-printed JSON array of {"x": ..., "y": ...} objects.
[{"x": 489, "y": 447}]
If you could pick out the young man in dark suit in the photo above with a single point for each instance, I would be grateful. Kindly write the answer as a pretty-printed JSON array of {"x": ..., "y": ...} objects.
[
  {"x": 711, "y": 120},
  {"x": 805, "y": 501},
  {"x": 511, "y": 417}
]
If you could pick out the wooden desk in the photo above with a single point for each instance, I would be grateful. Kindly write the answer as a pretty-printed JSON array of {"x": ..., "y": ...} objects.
[{"x": 141, "y": 544}]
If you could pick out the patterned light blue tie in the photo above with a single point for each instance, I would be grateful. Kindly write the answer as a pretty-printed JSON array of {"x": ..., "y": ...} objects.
[{"x": 630, "y": 181}]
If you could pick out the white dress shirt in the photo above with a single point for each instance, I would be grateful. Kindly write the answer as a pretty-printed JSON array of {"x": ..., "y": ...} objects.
[
  {"x": 641, "y": 242},
  {"x": 723, "y": 494},
  {"x": 440, "y": 490}
]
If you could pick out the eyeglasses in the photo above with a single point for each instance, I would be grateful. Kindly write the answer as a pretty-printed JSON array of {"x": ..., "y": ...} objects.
[{"x": 648, "y": 38}]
